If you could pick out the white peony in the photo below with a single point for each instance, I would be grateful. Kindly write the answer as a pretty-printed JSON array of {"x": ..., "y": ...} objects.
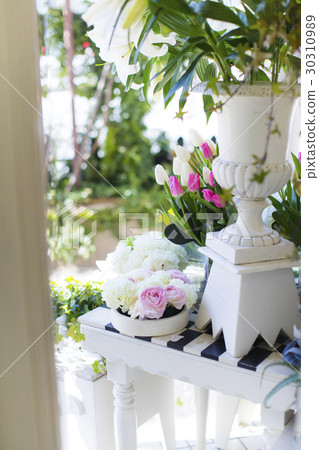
[
  {"x": 120, "y": 293},
  {"x": 161, "y": 260}
]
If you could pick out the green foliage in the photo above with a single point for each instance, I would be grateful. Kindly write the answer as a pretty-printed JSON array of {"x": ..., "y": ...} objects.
[
  {"x": 99, "y": 366},
  {"x": 287, "y": 214},
  {"x": 75, "y": 299},
  {"x": 263, "y": 43}
]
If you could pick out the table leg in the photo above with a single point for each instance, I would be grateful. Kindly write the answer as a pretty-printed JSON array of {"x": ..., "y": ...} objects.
[
  {"x": 124, "y": 416},
  {"x": 226, "y": 408},
  {"x": 125, "y": 428},
  {"x": 274, "y": 422},
  {"x": 201, "y": 402}
]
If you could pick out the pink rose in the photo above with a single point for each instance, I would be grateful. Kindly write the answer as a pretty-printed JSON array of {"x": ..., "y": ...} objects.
[
  {"x": 152, "y": 303},
  {"x": 175, "y": 296},
  {"x": 179, "y": 275}
]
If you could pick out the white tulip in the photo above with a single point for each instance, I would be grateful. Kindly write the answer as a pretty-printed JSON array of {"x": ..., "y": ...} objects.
[
  {"x": 160, "y": 175},
  {"x": 206, "y": 173},
  {"x": 196, "y": 139},
  {"x": 177, "y": 166},
  {"x": 182, "y": 153},
  {"x": 186, "y": 170},
  {"x": 212, "y": 146}
]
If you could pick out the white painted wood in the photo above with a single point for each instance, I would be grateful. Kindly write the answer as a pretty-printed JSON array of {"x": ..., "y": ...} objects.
[
  {"x": 124, "y": 416},
  {"x": 204, "y": 372},
  {"x": 29, "y": 413},
  {"x": 275, "y": 422},
  {"x": 222, "y": 376},
  {"x": 152, "y": 327},
  {"x": 243, "y": 305},
  {"x": 245, "y": 412},
  {"x": 201, "y": 405},
  {"x": 236, "y": 254},
  {"x": 226, "y": 408}
]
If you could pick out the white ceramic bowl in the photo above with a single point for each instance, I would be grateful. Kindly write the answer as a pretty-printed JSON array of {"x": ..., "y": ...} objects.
[{"x": 149, "y": 327}]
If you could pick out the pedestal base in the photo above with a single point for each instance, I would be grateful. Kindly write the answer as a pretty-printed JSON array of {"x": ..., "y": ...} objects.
[
  {"x": 246, "y": 300},
  {"x": 237, "y": 254}
]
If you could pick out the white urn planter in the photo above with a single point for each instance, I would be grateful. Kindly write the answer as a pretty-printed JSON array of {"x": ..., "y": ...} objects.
[
  {"x": 251, "y": 288},
  {"x": 149, "y": 327}
]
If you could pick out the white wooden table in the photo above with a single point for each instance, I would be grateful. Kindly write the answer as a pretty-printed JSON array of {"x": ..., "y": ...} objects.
[{"x": 192, "y": 356}]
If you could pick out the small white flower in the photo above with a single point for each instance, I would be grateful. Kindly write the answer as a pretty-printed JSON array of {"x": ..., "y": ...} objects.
[
  {"x": 182, "y": 154},
  {"x": 196, "y": 139},
  {"x": 206, "y": 173},
  {"x": 160, "y": 175},
  {"x": 177, "y": 166}
]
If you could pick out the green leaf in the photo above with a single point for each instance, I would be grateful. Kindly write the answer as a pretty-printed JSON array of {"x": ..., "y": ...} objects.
[
  {"x": 217, "y": 11},
  {"x": 186, "y": 79},
  {"x": 262, "y": 76},
  {"x": 146, "y": 77},
  {"x": 174, "y": 5},
  {"x": 291, "y": 379},
  {"x": 297, "y": 164},
  {"x": 201, "y": 68},
  {"x": 208, "y": 105}
]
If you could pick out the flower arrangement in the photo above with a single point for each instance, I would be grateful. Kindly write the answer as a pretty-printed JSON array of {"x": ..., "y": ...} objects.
[
  {"x": 197, "y": 41},
  {"x": 150, "y": 252},
  {"x": 146, "y": 294},
  {"x": 198, "y": 203}
]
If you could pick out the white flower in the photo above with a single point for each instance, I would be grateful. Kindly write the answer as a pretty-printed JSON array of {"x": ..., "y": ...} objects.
[
  {"x": 206, "y": 173},
  {"x": 116, "y": 44},
  {"x": 120, "y": 293},
  {"x": 196, "y": 139},
  {"x": 161, "y": 260},
  {"x": 186, "y": 171},
  {"x": 189, "y": 290},
  {"x": 138, "y": 274},
  {"x": 177, "y": 166},
  {"x": 160, "y": 175},
  {"x": 182, "y": 154}
]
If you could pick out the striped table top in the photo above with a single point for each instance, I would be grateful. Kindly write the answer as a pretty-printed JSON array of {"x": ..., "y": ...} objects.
[{"x": 201, "y": 343}]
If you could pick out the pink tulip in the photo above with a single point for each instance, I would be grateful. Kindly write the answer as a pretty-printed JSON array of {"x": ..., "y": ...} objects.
[
  {"x": 176, "y": 188},
  {"x": 209, "y": 196},
  {"x": 152, "y": 303},
  {"x": 218, "y": 201},
  {"x": 207, "y": 151},
  {"x": 299, "y": 156},
  {"x": 175, "y": 296},
  {"x": 193, "y": 182},
  {"x": 211, "y": 179}
]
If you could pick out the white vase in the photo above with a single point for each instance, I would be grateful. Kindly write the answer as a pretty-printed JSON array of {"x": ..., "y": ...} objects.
[
  {"x": 149, "y": 327},
  {"x": 251, "y": 287},
  {"x": 245, "y": 134}
]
